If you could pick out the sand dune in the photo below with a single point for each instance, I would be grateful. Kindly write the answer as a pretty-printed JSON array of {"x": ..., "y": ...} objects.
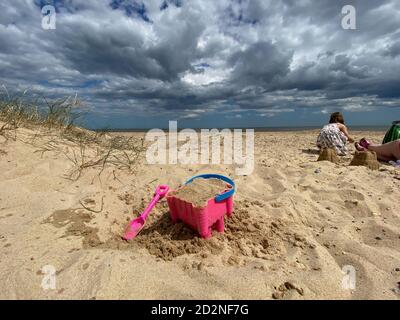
[{"x": 297, "y": 222}]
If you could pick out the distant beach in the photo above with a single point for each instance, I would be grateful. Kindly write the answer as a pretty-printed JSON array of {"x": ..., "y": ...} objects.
[{"x": 256, "y": 129}]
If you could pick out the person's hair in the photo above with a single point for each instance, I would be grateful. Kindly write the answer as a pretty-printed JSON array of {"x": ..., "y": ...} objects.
[{"x": 336, "y": 117}]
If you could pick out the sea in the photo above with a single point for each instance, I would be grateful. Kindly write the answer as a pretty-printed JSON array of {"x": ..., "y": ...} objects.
[{"x": 256, "y": 129}]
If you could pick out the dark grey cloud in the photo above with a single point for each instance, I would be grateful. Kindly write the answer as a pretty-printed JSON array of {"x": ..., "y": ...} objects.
[
  {"x": 262, "y": 63},
  {"x": 176, "y": 56}
]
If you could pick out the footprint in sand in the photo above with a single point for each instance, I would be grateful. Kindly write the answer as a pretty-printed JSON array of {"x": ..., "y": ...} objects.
[
  {"x": 272, "y": 180},
  {"x": 355, "y": 204},
  {"x": 348, "y": 194},
  {"x": 380, "y": 235},
  {"x": 288, "y": 290}
]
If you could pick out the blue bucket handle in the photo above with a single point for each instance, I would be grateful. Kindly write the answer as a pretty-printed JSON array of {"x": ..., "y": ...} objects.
[{"x": 222, "y": 196}]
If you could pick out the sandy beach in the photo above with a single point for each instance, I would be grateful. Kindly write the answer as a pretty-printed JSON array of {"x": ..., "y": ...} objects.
[{"x": 296, "y": 224}]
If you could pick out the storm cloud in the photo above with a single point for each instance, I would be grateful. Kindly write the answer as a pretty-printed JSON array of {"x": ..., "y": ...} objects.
[{"x": 191, "y": 58}]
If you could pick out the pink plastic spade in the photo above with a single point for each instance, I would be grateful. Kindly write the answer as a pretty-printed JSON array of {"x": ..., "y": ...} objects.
[{"x": 136, "y": 225}]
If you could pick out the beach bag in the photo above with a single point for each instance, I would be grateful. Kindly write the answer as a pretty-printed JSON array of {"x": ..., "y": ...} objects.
[{"x": 393, "y": 133}]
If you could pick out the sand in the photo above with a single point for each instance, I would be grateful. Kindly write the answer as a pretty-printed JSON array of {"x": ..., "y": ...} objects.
[
  {"x": 199, "y": 191},
  {"x": 365, "y": 158},
  {"x": 328, "y": 155},
  {"x": 297, "y": 223}
]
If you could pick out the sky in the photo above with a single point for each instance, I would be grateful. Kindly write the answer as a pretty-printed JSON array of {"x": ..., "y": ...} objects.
[{"x": 207, "y": 63}]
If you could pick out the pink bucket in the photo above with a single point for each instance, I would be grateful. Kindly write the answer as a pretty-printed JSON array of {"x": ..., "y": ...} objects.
[{"x": 203, "y": 219}]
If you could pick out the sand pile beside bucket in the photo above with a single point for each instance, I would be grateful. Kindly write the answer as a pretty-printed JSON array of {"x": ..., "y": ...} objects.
[
  {"x": 365, "y": 158},
  {"x": 247, "y": 237},
  {"x": 200, "y": 190},
  {"x": 328, "y": 154}
]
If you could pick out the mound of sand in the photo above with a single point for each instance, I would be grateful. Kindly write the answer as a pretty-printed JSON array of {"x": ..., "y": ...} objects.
[
  {"x": 365, "y": 158},
  {"x": 328, "y": 154},
  {"x": 199, "y": 191},
  {"x": 245, "y": 237}
]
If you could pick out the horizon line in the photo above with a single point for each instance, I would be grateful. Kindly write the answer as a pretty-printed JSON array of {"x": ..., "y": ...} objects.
[{"x": 269, "y": 128}]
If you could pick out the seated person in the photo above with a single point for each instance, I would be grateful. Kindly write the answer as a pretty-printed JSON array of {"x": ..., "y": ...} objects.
[{"x": 334, "y": 135}]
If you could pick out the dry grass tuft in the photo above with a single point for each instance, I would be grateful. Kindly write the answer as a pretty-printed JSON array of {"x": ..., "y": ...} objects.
[{"x": 55, "y": 131}]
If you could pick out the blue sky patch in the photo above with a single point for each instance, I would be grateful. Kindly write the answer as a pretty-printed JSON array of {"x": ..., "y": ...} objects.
[{"x": 131, "y": 8}]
